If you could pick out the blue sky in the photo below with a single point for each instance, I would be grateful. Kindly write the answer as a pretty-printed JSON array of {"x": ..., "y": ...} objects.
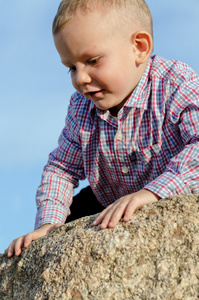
[{"x": 35, "y": 90}]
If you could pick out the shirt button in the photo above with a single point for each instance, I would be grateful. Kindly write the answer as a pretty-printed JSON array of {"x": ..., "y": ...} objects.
[
  {"x": 119, "y": 136},
  {"x": 125, "y": 170}
]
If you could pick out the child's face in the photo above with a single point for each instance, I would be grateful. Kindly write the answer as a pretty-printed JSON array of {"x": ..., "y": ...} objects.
[{"x": 100, "y": 56}]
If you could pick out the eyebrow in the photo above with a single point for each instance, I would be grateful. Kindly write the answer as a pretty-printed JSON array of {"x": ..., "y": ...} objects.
[
  {"x": 83, "y": 55},
  {"x": 66, "y": 64}
]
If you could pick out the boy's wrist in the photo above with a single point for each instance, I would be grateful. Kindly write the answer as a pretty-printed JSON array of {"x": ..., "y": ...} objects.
[
  {"x": 45, "y": 224},
  {"x": 154, "y": 194}
]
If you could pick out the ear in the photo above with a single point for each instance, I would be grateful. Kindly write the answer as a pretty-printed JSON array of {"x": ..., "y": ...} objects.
[{"x": 142, "y": 46}]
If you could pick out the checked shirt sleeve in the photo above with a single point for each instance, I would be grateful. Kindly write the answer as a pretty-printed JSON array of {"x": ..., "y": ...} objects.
[
  {"x": 61, "y": 174},
  {"x": 182, "y": 173}
]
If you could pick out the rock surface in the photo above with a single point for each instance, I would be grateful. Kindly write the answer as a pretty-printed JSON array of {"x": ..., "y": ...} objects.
[{"x": 154, "y": 256}]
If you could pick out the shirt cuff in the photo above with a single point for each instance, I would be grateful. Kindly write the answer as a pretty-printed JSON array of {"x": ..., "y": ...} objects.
[
  {"x": 51, "y": 214},
  {"x": 167, "y": 185}
]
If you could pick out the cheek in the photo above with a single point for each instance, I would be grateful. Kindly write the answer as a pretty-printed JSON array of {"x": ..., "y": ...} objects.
[
  {"x": 108, "y": 76},
  {"x": 115, "y": 78},
  {"x": 74, "y": 83}
]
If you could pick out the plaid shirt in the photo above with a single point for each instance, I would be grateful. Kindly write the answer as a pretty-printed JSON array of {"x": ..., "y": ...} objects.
[{"x": 154, "y": 144}]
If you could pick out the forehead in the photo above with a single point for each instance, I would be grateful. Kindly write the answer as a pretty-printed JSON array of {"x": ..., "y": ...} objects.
[
  {"x": 89, "y": 27},
  {"x": 96, "y": 14},
  {"x": 95, "y": 19}
]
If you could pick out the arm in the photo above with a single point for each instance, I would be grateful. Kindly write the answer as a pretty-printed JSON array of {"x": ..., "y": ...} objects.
[
  {"x": 60, "y": 176},
  {"x": 54, "y": 195},
  {"x": 181, "y": 95},
  {"x": 181, "y": 175}
]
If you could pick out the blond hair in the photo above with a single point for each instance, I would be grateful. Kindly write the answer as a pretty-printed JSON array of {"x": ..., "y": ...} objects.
[{"x": 137, "y": 10}]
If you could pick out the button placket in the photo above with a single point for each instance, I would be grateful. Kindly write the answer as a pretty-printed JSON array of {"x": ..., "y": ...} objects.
[
  {"x": 119, "y": 136},
  {"x": 125, "y": 170}
]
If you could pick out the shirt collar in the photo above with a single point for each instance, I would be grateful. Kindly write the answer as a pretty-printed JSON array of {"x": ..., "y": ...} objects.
[{"x": 140, "y": 95}]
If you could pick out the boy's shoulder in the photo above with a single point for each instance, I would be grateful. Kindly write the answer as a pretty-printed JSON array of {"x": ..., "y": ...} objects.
[{"x": 171, "y": 70}]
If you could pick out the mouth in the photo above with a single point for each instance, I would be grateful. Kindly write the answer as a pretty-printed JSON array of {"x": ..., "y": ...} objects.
[{"x": 94, "y": 94}]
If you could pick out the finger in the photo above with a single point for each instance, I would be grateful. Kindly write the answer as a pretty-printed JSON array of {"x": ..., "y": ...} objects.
[
  {"x": 18, "y": 245},
  {"x": 113, "y": 217},
  {"x": 34, "y": 235},
  {"x": 135, "y": 203},
  {"x": 107, "y": 218},
  {"x": 29, "y": 238},
  {"x": 10, "y": 249},
  {"x": 99, "y": 219},
  {"x": 130, "y": 209}
]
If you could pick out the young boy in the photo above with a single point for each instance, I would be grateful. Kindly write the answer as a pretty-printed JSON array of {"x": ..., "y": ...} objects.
[{"x": 132, "y": 126}]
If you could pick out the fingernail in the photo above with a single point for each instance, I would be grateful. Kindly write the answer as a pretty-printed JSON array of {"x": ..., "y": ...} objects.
[{"x": 103, "y": 225}]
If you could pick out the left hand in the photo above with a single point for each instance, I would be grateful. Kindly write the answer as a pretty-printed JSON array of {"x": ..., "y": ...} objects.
[{"x": 125, "y": 207}]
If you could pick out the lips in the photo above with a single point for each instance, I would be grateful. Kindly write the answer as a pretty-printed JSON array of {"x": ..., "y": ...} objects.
[{"x": 93, "y": 93}]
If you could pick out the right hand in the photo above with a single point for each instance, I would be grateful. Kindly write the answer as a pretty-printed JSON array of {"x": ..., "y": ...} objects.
[{"x": 25, "y": 240}]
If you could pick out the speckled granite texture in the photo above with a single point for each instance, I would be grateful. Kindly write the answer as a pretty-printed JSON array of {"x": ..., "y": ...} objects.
[{"x": 155, "y": 256}]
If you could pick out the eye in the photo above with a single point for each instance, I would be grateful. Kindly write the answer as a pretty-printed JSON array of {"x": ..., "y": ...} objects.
[
  {"x": 93, "y": 61},
  {"x": 72, "y": 69}
]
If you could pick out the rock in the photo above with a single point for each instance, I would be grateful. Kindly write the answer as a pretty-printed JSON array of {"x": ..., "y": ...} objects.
[{"x": 154, "y": 256}]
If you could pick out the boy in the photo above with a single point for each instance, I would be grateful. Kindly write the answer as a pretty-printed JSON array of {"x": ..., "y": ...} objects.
[{"x": 132, "y": 126}]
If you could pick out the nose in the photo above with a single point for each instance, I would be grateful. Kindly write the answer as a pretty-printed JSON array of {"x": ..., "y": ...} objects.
[{"x": 82, "y": 77}]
